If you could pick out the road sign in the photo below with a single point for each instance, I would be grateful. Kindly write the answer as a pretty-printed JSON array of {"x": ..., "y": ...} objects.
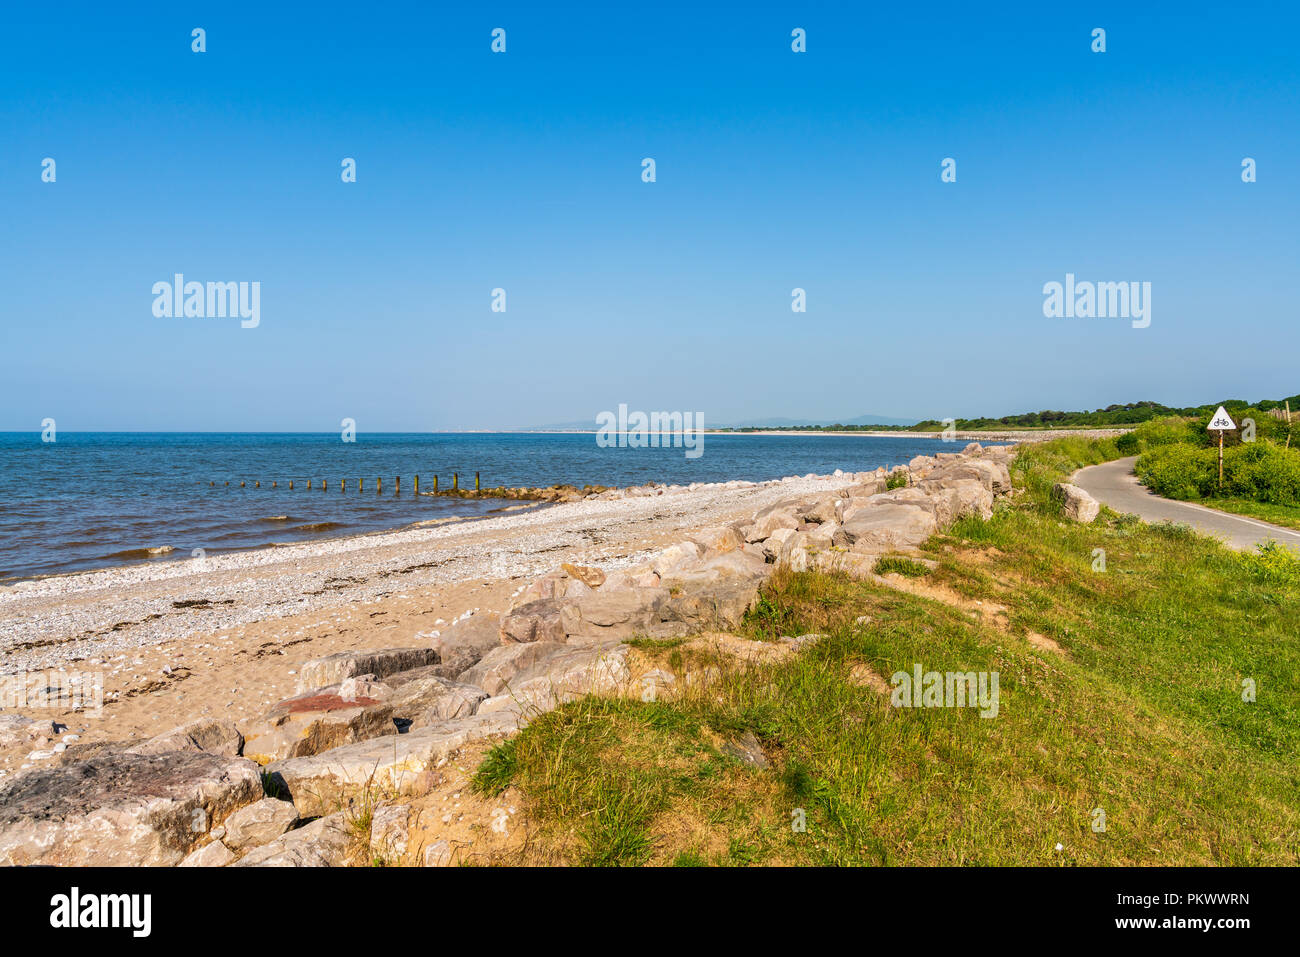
[{"x": 1222, "y": 422}]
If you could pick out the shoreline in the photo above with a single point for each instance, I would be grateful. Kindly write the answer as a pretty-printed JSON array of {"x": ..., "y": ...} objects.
[
  {"x": 177, "y": 556},
  {"x": 166, "y": 642},
  {"x": 64, "y": 618}
]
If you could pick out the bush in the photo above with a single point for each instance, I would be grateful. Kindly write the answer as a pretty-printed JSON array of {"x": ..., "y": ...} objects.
[
  {"x": 1272, "y": 564},
  {"x": 1259, "y": 471},
  {"x": 1179, "y": 471},
  {"x": 1159, "y": 432},
  {"x": 1263, "y": 472}
]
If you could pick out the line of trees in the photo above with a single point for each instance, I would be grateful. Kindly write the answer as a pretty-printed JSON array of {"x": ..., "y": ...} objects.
[{"x": 1128, "y": 413}]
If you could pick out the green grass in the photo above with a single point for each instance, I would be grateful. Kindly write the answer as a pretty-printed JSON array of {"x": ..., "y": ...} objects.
[
  {"x": 1288, "y": 516},
  {"x": 897, "y": 564},
  {"x": 1140, "y": 714}
]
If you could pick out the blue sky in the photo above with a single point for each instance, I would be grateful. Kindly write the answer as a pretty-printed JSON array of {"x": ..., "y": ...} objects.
[{"x": 523, "y": 171}]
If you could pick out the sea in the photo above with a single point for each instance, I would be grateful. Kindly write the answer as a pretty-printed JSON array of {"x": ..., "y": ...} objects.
[{"x": 94, "y": 500}]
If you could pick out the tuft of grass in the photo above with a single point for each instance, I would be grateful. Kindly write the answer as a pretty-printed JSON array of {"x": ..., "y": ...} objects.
[{"x": 900, "y": 565}]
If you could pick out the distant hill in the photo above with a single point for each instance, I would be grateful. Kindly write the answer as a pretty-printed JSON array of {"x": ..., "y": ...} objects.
[
  {"x": 782, "y": 423},
  {"x": 775, "y": 422}
]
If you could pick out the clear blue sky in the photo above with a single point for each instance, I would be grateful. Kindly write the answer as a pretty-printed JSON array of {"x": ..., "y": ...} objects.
[{"x": 523, "y": 171}]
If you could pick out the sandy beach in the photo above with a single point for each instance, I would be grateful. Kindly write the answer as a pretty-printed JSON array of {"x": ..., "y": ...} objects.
[{"x": 225, "y": 634}]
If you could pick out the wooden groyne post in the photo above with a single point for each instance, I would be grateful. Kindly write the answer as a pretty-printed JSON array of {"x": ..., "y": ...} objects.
[
  {"x": 476, "y": 481},
  {"x": 455, "y": 481},
  {"x": 417, "y": 485}
]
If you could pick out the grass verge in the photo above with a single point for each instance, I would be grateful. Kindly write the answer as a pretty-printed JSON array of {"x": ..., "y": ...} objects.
[{"x": 1148, "y": 713}]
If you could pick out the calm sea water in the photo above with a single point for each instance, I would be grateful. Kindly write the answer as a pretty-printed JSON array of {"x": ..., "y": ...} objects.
[{"x": 96, "y": 499}]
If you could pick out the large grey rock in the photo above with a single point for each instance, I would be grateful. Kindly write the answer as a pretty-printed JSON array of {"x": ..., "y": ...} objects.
[
  {"x": 641, "y": 577},
  {"x": 616, "y": 615},
  {"x": 775, "y": 543},
  {"x": 259, "y": 823},
  {"x": 921, "y": 464},
  {"x": 1076, "y": 504},
  {"x": 500, "y": 666},
  {"x": 428, "y": 699},
  {"x": 328, "y": 842},
  {"x": 800, "y": 551},
  {"x": 120, "y": 808},
  {"x": 717, "y": 593},
  {"x": 718, "y": 539},
  {"x": 463, "y": 643},
  {"x": 943, "y": 503},
  {"x": 332, "y": 669},
  {"x": 994, "y": 475},
  {"x": 206, "y": 734},
  {"x": 573, "y": 671},
  {"x": 969, "y": 496},
  {"x": 397, "y": 764},
  {"x": 317, "y": 721},
  {"x": 672, "y": 559},
  {"x": 767, "y": 524},
  {"x": 825, "y": 508},
  {"x": 535, "y": 621},
  {"x": 883, "y": 526},
  {"x": 872, "y": 486}
]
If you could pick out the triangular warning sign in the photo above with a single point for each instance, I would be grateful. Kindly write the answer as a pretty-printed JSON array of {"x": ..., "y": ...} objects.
[{"x": 1221, "y": 422}]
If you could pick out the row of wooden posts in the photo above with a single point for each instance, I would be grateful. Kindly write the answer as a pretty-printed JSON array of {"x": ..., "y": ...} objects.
[{"x": 361, "y": 484}]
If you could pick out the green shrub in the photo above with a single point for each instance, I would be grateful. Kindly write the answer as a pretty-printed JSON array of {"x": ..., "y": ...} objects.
[
  {"x": 1159, "y": 432},
  {"x": 1260, "y": 471},
  {"x": 1179, "y": 471},
  {"x": 1272, "y": 564}
]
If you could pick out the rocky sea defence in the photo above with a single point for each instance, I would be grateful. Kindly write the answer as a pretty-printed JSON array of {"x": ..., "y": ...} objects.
[{"x": 356, "y": 765}]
